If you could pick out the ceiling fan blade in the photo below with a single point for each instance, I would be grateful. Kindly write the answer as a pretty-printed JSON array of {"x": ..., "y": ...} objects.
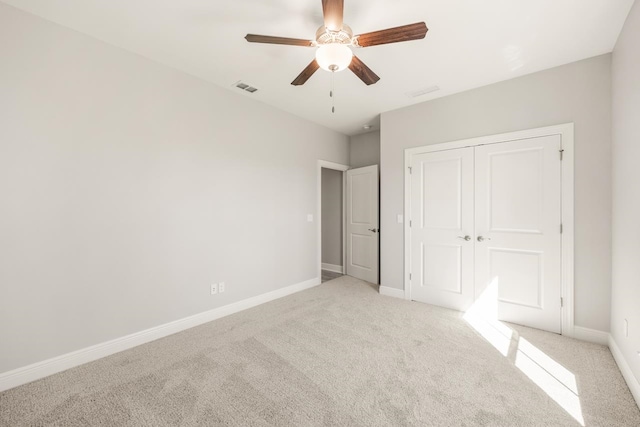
[
  {"x": 333, "y": 11},
  {"x": 255, "y": 38},
  {"x": 306, "y": 73},
  {"x": 363, "y": 72},
  {"x": 393, "y": 35}
]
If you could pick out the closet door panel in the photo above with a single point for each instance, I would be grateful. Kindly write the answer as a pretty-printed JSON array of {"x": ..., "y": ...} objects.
[
  {"x": 441, "y": 218},
  {"x": 518, "y": 241}
]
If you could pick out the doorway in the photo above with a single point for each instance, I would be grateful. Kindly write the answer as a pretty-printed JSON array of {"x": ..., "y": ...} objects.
[
  {"x": 332, "y": 224},
  {"x": 331, "y": 213},
  {"x": 358, "y": 254},
  {"x": 492, "y": 216}
]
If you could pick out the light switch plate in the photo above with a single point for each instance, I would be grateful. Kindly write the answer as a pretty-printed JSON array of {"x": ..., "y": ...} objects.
[
  {"x": 400, "y": 218},
  {"x": 309, "y": 218}
]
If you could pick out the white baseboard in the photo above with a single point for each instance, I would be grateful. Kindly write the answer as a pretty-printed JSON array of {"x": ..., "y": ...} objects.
[
  {"x": 61, "y": 363},
  {"x": 391, "y": 292},
  {"x": 590, "y": 335},
  {"x": 332, "y": 267},
  {"x": 632, "y": 381}
]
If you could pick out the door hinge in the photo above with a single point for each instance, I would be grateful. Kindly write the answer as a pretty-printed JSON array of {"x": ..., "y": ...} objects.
[
  {"x": 561, "y": 154},
  {"x": 410, "y": 223},
  {"x": 561, "y": 302},
  {"x": 409, "y": 276},
  {"x": 410, "y": 170},
  {"x": 561, "y": 228}
]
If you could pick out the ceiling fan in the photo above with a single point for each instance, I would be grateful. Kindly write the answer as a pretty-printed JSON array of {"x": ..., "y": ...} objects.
[{"x": 333, "y": 40}]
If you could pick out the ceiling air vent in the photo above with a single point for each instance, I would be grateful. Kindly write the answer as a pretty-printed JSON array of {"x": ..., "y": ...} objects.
[
  {"x": 245, "y": 87},
  {"x": 421, "y": 92}
]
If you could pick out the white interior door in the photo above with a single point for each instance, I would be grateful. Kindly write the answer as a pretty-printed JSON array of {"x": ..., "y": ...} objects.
[
  {"x": 362, "y": 223},
  {"x": 518, "y": 217},
  {"x": 442, "y": 228}
]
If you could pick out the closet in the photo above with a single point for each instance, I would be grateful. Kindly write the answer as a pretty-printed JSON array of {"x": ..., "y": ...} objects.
[{"x": 485, "y": 221}]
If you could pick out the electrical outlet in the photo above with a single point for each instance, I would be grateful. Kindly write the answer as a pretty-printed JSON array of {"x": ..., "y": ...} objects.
[
  {"x": 214, "y": 289},
  {"x": 626, "y": 328},
  {"x": 221, "y": 287}
]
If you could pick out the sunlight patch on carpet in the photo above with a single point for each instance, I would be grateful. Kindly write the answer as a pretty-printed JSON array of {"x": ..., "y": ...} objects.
[{"x": 550, "y": 376}]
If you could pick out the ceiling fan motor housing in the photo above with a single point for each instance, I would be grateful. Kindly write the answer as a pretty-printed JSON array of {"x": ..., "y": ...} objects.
[{"x": 326, "y": 36}]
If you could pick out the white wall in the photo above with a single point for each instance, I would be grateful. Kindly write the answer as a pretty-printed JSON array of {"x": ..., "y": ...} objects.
[
  {"x": 625, "y": 302},
  {"x": 128, "y": 187},
  {"x": 331, "y": 217},
  {"x": 579, "y": 92},
  {"x": 364, "y": 149}
]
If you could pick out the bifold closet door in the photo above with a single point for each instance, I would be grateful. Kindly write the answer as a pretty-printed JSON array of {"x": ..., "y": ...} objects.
[
  {"x": 518, "y": 235},
  {"x": 442, "y": 228}
]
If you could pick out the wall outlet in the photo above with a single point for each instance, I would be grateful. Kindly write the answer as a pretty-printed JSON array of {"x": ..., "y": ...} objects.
[
  {"x": 214, "y": 289},
  {"x": 221, "y": 287},
  {"x": 626, "y": 328}
]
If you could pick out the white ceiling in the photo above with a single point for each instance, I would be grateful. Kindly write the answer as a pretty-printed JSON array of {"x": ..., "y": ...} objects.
[{"x": 470, "y": 43}]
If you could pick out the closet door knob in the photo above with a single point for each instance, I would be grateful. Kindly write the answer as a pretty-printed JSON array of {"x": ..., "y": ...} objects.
[
  {"x": 482, "y": 239},
  {"x": 467, "y": 238}
]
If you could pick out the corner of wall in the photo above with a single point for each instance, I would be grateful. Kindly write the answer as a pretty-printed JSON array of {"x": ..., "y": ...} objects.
[{"x": 625, "y": 369}]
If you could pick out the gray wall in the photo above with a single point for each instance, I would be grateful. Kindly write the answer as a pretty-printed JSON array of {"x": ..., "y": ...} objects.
[
  {"x": 331, "y": 217},
  {"x": 579, "y": 92},
  {"x": 626, "y": 191},
  {"x": 364, "y": 150},
  {"x": 129, "y": 187}
]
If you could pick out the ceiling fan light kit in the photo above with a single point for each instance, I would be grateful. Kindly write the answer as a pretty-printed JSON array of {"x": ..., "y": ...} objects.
[
  {"x": 333, "y": 41},
  {"x": 334, "y": 56}
]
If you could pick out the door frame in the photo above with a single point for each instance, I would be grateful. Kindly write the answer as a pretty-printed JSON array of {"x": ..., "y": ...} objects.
[
  {"x": 566, "y": 132},
  {"x": 342, "y": 168}
]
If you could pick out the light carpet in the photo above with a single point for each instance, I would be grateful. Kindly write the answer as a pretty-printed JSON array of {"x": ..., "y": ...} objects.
[{"x": 336, "y": 354}]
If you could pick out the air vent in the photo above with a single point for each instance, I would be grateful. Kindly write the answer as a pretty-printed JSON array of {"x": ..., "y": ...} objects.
[
  {"x": 421, "y": 92},
  {"x": 245, "y": 87}
]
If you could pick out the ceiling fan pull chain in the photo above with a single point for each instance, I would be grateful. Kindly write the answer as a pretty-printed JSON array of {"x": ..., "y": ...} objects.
[{"x": 333, "y": 99}]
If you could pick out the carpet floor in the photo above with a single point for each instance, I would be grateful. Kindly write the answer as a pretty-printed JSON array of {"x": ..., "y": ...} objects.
[
  {"x": 337, "y": 354},
  {"x": 327, "y": 275}
]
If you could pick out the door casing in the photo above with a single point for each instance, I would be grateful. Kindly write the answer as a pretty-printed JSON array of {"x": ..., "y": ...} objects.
[{"x": 566, "y": 132}]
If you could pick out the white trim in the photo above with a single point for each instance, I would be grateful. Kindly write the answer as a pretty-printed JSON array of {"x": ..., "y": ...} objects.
[
  {"x": 566, "y": 132},
  {"x": 568, "y": 319},
  {"x": 564, "y": 129},
  {"x": 391, "y": 292},
  {"x": 406, "y": 221},
  {"x": 632, "y": 381},
  {"x": 61, "y": 363},
  {"x": 590, "y": 335},
  {"x": 333, "y": 268},
  {"x": 339, "y": 167}
]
